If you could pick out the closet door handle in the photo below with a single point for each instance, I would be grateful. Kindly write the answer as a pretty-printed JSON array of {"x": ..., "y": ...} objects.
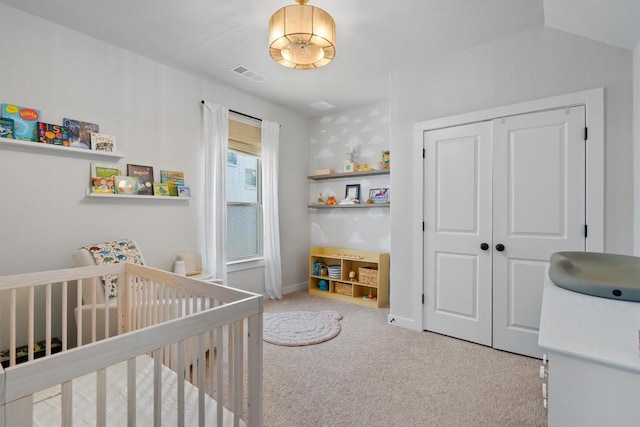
[
  {"x": 484, "y": 246},
  {"x": 499, "y": 247}
]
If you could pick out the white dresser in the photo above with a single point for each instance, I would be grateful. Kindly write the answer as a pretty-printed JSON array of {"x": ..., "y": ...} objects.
[{"x": 594, "y": 359}]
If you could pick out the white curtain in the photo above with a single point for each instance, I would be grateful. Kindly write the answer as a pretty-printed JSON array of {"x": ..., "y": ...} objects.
[
  {"x": 272, "y": 268},
  {"x": 215, "y": 137}
]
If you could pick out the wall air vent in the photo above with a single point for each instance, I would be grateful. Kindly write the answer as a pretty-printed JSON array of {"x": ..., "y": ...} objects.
[
  {"x": 245, "y": 72},
  {"x": 322, "y": 106}
]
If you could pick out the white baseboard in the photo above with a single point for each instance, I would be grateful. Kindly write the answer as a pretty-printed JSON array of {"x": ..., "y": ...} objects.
[
  {"x": 293, "y": 288},
  {"x": 403, "y": 322}
]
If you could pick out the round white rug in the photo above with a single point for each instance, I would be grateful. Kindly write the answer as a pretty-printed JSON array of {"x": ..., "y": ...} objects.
[{"x": 296, "y": 328}]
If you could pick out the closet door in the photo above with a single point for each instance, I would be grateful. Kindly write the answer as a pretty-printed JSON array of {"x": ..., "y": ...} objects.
[
  {"x": 457, "y": 223},
  {"x": 538, "y": 209}
]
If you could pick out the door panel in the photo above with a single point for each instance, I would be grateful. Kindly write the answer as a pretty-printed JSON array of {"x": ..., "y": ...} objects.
[
  {"x": 457, "y": 284},
  {"x": 525, "y": 300},
  {"x": 531, "y": 186},
  {"x": 457, "y": 221},
  {"x": 538, "y": 209}
]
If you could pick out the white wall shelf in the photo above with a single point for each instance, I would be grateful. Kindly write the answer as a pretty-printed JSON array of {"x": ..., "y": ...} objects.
[
  {"x": 88, "y": 193},
  {"x": 349, "y": 174},
  {"x": 361, "y": 205},
  {"x": 18, "y": 144}
]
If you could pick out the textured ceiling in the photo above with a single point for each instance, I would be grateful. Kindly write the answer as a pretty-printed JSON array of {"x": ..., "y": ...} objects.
[{"x": 208, "y": 38}]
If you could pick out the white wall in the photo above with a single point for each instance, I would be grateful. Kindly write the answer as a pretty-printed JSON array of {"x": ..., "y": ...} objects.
[
  {"x": 532, "y": 65},
  {"x": 636, "y": 149},
  {"x": 366, "y": 130},
  {"x": 155, "y": 113}
]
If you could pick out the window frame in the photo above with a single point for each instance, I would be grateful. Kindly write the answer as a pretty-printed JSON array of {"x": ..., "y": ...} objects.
[{"x": 245, "y": 141}]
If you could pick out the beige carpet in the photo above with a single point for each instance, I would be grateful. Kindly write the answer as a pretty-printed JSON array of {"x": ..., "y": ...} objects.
[{"x": 373, "y": 374}]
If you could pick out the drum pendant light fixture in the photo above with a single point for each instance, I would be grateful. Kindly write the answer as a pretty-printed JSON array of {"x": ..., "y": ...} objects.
[{"x": 302, "y": 37}]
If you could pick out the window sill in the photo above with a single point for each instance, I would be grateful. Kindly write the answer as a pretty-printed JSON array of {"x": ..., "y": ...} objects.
[{"x": 245, "y": 264}]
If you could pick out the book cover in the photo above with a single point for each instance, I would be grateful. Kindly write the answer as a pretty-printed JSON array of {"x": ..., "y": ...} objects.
[
  {"x": 103, "y": 142},
  {"x": 173, "y": 179},
  {"x": 102, "y": 184},
  {"x": 176, "y": 177},
  {"x": 6, "y": 128},
  {"x": 145, "y": 178},
  {"x": 25, "y": 121},
  {"x": 105, "y": 170},
  {"x": 80, "y": 132},
  {"x": 160, "y": 189},
  {"x": 102, "y": 177},
  {"x": 184, "y": 191},
  {"x": 53, "y": 134},
  {"x": 125, "y": 184}
]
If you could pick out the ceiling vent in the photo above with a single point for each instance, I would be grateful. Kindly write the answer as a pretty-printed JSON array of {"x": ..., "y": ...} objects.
[
  {"x": 321, "y": 106},
  {"x": 245, "y": 72}
]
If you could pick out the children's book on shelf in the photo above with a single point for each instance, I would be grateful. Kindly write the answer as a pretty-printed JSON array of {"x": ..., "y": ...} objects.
[
  {"x": 105, "y": 169},
  {"x": 102, "y": 184},
  {"x": 102, "y": 177},
  {"x": 173, "y": 179},
  {"x": 184, "y": 191},
  {"x": 145, "y": 178},
  {"x": 125, "y": 184},
  {"x": 80, "y": 132},
  {"x": 53, "y": 134},
  {"x": 6, "y": 128},
  {"x": 160, "y": 189},
  {"x": 103, "y": 142},
  {"x": 25, "y": 121}
]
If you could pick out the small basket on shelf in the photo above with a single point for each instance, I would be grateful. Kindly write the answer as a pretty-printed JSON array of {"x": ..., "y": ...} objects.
[
  {"x": 368, "y": 276},
  {"x": 343, "y": 289}
]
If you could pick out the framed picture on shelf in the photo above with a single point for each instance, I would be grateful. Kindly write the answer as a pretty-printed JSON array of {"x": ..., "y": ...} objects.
[
  {"x": 352, "y": 192},
  {"x": 379, "y": 195}
]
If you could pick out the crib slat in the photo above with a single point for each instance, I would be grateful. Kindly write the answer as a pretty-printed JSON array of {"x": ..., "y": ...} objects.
[
  {"x": 47, "y": 315},
  {"x": 147, "y": 307},
  {"x": 219, "y": 375},
  {"x": 79, "y": 324},
  {"x": 101, "y": 398},
  {"x": 201, "y": 361},
  {"x": 157, "y": 388},
  {"x": 254, "y": 367},
  {"x": 230, "y": 366},
  {"x": 106, "y": 299},
  {"x": 14, "y": 413},
  {"x": 131, "y": 392},
  {"x": 66, "y": 409},
  {"x": 12, "y": 329},
  {"x": 181, "y": 380},
  {"x": 94, "y": 312},
  {"x": 30, "y": 321},
  {"x": 237, "y": 371},
  {"x": 65, "y": 313}
]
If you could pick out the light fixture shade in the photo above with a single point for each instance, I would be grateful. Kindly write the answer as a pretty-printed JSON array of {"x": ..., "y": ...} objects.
[{"x": 302, "y": 37}]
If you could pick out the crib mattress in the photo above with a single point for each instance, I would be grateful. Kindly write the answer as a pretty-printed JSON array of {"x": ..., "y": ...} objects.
[{"x": 47, "y": 403}]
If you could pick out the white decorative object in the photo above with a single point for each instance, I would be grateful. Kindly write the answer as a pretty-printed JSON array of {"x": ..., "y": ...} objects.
[{"x": 179, "y": 268}]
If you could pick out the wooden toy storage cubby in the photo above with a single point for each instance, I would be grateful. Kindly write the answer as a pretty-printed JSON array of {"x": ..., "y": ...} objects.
[{"x": 370, "y": 287}]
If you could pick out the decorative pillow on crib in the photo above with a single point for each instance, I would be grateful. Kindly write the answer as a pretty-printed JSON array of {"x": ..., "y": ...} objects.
[{"x": 112, "y": 253}]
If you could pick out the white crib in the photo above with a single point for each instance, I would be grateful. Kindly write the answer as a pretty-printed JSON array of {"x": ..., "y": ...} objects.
[{"x": 187, "y": 352}]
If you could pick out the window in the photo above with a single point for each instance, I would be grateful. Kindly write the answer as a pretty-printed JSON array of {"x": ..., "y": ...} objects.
[{"x": 244, "y": 195}]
